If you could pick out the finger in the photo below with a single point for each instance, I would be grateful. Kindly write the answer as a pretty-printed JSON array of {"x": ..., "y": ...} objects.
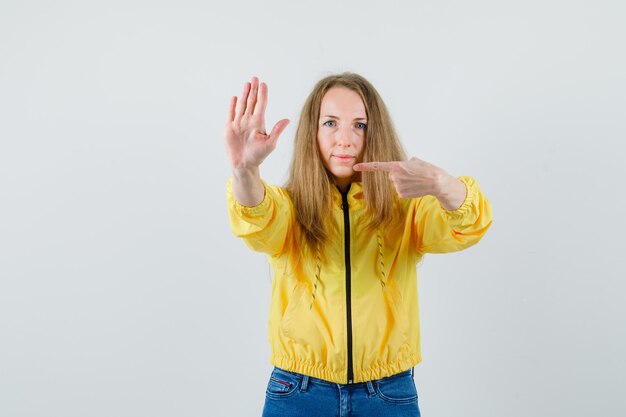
[
  {"x": 254, "y": 88},
  {"x": 241, "y": 108},
  {"x": 231, "y": 109},
  {"x": 376, "y": 166},
  {"x": 262, "y": 103},
  {"x": 278, "y": 129}
]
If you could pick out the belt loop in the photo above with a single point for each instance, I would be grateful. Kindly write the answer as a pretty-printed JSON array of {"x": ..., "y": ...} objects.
[
  {"x": 413, "y": 372},
  {"x": 305, "y": 383},
  {"x": 370, "y": 389}
]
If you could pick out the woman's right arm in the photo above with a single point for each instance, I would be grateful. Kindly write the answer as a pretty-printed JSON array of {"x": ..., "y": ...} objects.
[
  {"x": 247, "y": 142},
  {"x": 258, "y": 213}
]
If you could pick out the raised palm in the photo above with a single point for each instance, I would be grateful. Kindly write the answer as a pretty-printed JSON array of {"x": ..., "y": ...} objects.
[{"x": 247, "y": 142}]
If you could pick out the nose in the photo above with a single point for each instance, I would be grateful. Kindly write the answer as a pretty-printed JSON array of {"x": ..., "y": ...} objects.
[{"x": 344, "y": 137}]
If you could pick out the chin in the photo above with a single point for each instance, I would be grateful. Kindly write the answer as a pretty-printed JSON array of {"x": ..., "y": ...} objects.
[{"x": 344, "y": 174}]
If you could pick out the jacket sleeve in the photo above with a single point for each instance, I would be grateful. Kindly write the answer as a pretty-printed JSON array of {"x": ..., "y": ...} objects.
[
  {"x": 265, "y": 226},
  {"x": 439, "y": 231}
]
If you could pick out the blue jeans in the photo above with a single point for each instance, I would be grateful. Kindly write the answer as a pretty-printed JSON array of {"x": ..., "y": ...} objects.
[{"x": 290, "y": 394}]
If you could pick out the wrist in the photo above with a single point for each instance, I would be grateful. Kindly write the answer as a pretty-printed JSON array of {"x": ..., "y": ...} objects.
[
  {"x": 243, "y": 173},
  {"x": 451, "y": 193},
  {"x": 444, "y": 185}
]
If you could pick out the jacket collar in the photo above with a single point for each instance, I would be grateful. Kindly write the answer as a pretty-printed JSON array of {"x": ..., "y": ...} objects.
[{"x": 355, "y": 195}]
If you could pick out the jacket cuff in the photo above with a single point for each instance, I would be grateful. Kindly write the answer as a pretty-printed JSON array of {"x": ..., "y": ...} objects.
[
  {"x": 247, "y": 211},
  {"x": 467, "y": 213}
]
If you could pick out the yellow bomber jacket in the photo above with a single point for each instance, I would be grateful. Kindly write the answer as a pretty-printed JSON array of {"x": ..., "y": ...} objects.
[{"x": 350, "y": 313}]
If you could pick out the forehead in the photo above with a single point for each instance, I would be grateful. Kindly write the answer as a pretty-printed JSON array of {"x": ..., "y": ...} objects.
[{"x": 340, "y": 101}]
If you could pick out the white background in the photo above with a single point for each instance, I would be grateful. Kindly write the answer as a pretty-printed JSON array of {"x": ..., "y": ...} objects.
[{"x": 122, "y": 290}]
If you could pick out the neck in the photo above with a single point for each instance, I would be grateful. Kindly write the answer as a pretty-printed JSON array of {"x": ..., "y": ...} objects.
[{"x": 344, "y": 187}]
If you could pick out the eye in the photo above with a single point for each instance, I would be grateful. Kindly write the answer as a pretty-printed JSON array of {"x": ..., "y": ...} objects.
[
  {"x": 330, "y": 123},
  {"x": 361, "y": 126}
]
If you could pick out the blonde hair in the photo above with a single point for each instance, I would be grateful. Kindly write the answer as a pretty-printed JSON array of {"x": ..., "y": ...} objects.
[{"x": 309, "y": 183}]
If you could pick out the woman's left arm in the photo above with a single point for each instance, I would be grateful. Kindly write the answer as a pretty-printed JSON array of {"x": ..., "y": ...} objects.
[{"x": 449, "y": 214}]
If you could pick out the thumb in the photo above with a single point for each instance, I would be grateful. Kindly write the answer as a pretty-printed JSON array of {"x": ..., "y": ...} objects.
[{"x": 278, "y": 129}]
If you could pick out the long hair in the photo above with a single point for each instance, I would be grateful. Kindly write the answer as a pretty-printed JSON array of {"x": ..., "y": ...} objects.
[{"x": 309, "y": 183}]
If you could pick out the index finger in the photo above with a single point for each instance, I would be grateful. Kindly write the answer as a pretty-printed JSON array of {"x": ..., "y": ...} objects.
[{"x": 375, "y": 166}]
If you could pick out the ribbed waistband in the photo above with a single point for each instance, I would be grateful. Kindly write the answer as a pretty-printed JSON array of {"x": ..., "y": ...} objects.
[{"x": 308, "y": 379}]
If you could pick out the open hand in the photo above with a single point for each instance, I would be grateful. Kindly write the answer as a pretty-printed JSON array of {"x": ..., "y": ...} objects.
[{"x": 247, "y": 142}]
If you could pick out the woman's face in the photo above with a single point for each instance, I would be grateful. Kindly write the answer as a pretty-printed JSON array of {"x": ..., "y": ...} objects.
[{"x": 341, "y": 133}]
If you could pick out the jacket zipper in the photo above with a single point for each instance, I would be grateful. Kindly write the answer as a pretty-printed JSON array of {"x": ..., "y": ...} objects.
[{"x": 346, "y": 231}]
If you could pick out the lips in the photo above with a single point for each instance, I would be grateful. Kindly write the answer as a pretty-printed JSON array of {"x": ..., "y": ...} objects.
[{"x": 344, "y": 157}]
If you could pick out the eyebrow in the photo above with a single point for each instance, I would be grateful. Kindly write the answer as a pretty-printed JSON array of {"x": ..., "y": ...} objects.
[{"x": 335, "y": 117}]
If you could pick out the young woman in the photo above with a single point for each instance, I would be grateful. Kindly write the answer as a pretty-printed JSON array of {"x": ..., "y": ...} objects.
[{"x": 343, "y": 237}]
